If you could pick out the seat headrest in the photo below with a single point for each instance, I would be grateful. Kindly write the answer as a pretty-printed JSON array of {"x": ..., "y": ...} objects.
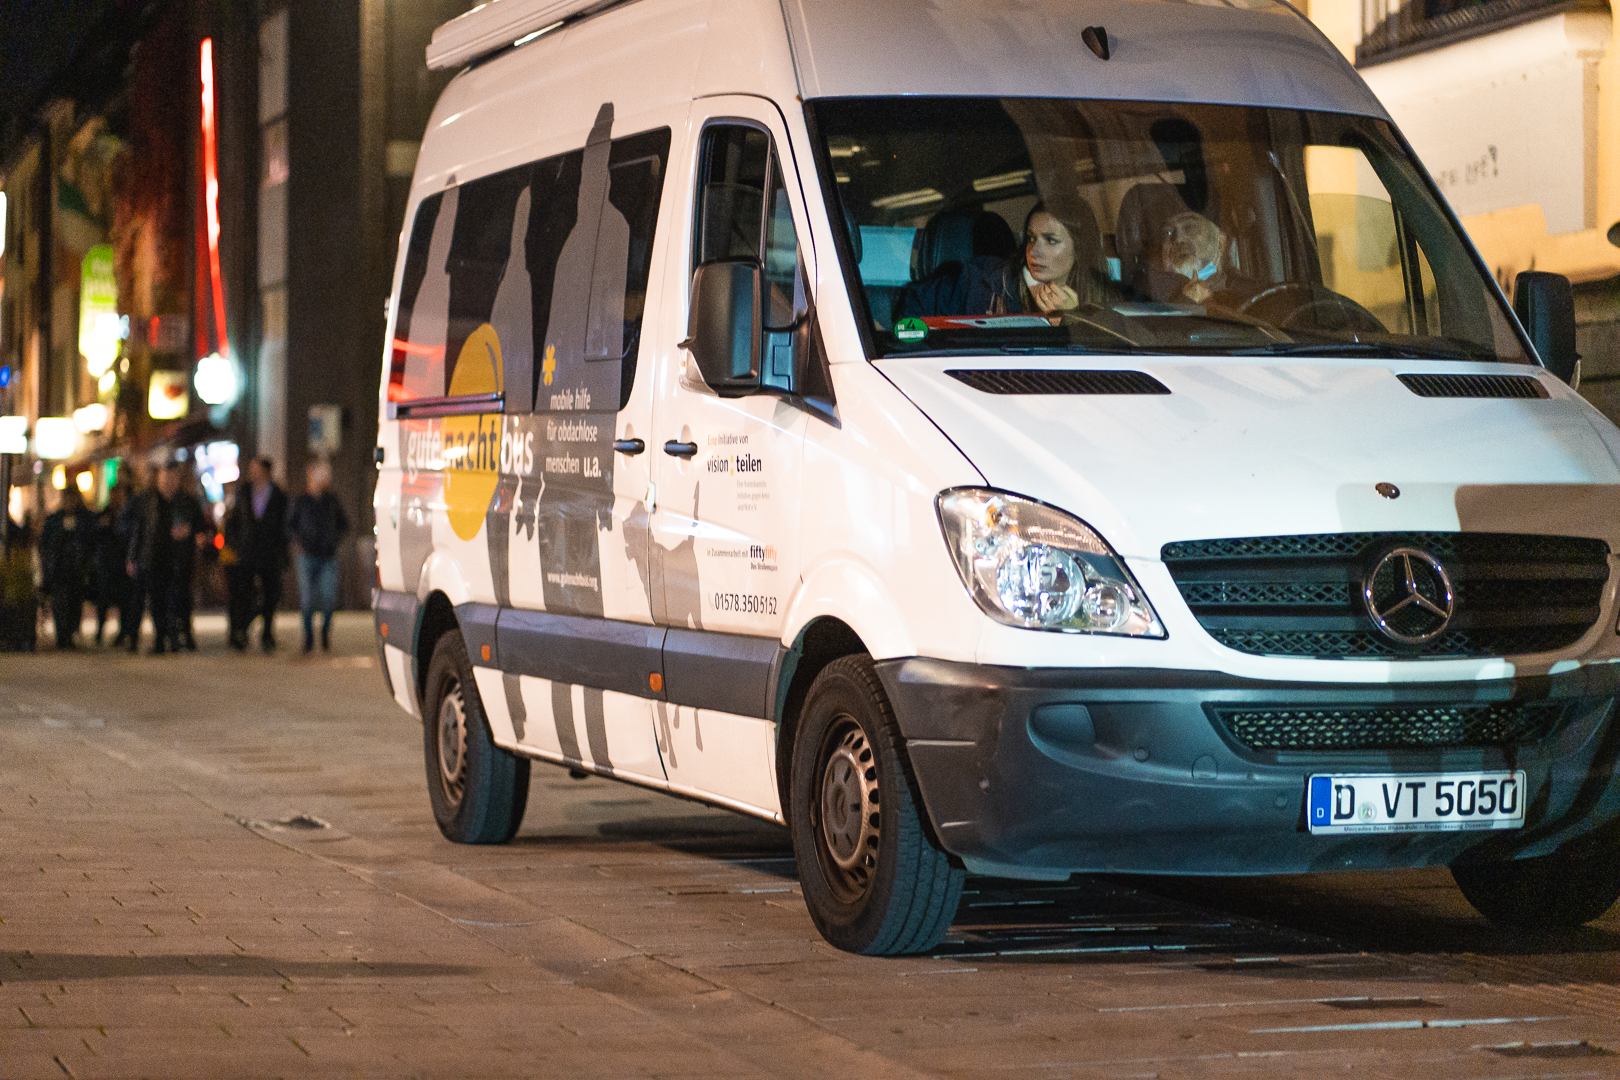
[
  {"x": 1142, "y": 214},
  {"x": 947, "y": 238},
  {"x": 993, "y": 236}
]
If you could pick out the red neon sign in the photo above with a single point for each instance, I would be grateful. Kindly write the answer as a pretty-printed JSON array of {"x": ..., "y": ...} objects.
[{"x": 211, "y": 194}]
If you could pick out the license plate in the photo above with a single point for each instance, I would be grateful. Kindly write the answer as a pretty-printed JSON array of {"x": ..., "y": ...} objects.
[{"x": 1423, "y": 802}]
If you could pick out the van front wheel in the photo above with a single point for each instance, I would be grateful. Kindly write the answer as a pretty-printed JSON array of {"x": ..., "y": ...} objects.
[
  {"x": 873, "y": 879},
  {"x": 477, "y": 789},
  {"x": 1545, "y": 893}
]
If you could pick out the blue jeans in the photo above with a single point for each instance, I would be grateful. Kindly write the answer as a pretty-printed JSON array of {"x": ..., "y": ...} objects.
[{"x": 317, "y": 589}]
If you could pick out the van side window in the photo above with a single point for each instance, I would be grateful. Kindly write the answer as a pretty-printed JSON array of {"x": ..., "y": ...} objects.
[
  {"x": 636, "y": 170},
  {"x": 744, "y": 213},
  {"x": 731, "y": 198},
  {"x": 416, "y": 368},
  {"x": 562, "y": 299}
]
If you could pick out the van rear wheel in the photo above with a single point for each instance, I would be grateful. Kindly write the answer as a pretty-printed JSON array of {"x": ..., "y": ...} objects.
[
  {"x": 874, "y": 880},
  {"x": 478, "y": 790},
  {"x": 1546, "y": 893}
]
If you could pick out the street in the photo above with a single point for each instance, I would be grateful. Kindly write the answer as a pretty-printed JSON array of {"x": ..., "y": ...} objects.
[{"x": 223, "y": 865}]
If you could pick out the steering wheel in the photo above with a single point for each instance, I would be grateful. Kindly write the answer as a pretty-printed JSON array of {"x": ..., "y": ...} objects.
[{"x": 1294, "y": 305}]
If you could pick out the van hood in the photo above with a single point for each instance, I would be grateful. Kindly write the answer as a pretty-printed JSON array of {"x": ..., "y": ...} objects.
[{"x": 1240, "y": 448}]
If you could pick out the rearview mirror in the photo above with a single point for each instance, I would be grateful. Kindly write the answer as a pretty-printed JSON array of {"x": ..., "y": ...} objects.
[
  {"x": 723, "y": 331},
  {"x": 1545, "y": 306}
]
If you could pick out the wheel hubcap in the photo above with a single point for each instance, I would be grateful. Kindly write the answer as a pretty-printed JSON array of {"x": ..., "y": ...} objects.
[
  {"x": 850, "y": 820},
  {"x": 453, "y": 746}
]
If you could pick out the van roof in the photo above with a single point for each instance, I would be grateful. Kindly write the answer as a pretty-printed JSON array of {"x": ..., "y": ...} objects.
[
  {"x": 1237, "y": 52},
  {"x": 495, "y": 24}
]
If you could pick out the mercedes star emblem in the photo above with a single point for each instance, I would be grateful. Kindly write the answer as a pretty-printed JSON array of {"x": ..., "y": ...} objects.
[{"x": 1409, "y": 596}]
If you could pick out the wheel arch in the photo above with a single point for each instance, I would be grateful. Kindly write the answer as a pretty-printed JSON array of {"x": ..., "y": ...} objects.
[
  {"x": 823, "y": 640},
  {"x": 436, "y": 617}
]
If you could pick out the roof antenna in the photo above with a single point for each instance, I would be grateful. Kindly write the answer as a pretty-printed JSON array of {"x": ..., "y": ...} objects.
[{"x": 1096, "y": 39}]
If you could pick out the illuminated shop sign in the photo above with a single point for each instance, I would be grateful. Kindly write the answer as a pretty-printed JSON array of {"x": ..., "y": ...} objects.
[
  {"x": 100, "y": 328},
  {"x": 166, "y": 395}
]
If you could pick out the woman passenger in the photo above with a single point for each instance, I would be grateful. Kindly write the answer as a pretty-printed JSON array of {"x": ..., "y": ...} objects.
[{"x": 1058, "y": 271}]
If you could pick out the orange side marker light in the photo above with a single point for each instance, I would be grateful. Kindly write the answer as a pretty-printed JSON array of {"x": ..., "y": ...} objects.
[
  {"x": 655, "y": 682},
  {"x": 483, "y": 650}
]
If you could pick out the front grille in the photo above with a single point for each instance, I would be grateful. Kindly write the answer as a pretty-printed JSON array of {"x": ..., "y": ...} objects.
[
  {"x": 1041, "y": 381},
  {"x": 1302, "y": 595},
  {"x": 1391, "y": 727},
  {"x": 1474, "y": 386}
]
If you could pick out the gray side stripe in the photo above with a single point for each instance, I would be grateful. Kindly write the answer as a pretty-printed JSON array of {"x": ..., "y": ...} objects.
[
  {"x": 596, "y": 729},
  {"x": 514, "y": 703},
  {"x": 562, "y": 711}
]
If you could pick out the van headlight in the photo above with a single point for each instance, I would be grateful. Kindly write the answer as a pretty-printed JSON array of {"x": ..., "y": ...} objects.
[{"x": 1029, "y": 565}]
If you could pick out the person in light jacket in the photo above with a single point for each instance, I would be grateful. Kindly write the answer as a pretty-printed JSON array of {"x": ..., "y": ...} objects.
[{"x": 317, "y": 522}]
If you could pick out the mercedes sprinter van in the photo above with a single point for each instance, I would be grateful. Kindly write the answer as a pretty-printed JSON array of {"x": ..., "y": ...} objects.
[{"x": 997, "y": 438}]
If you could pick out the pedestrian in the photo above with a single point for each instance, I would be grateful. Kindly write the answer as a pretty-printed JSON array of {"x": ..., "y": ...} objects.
[
  {"x": 190, "y": 528},
  {"x": 112, "y": 583},
  {"x": 152, "y": 558},
  {"x": 318, "y": 523},
  {"x": 256, "y": 539},
  {"x": 66, "y": 546},
  {"x": 19, "y": 606}
]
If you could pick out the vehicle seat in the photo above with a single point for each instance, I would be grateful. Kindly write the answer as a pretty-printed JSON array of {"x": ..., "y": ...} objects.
[
  {"x": 993, "y": 236},
  {"x": 1143, "y": 214},
  {"x": 947, "y": 238},
  {"x": 955, "y": 236}
]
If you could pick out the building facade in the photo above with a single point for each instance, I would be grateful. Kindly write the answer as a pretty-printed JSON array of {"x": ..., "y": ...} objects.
[
  {"x": 197, "y": 253},
  {"x": 1514, "y": 108}
]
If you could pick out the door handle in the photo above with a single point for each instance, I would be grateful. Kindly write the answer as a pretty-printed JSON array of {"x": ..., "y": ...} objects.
[
  {"x": 676, "y": 448},
  {"x": 630, "y": 447}
]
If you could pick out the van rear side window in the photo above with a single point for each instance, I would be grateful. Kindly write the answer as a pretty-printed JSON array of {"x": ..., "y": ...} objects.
[{"x": 531, "y": 283}]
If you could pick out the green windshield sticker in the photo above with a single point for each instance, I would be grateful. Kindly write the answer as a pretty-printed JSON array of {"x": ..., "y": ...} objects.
[{"x": 910, "y": 330}]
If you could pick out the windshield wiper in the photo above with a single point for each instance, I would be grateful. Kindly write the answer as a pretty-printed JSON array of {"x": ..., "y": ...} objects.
[
  {"x": 1360, "y": 348},
  {"x": 1071, "y": 349}
]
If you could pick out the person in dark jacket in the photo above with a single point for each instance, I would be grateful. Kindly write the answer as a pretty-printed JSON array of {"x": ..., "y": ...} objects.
[
  {"x": 255, "y": 554},
  {"x": 112, "y": 584},
  {"x": 66, "y": 545},
  {"x": 318, "y": 523},
  {"x": 152, "y": 557},
  {"x": 190, "y": 528}
]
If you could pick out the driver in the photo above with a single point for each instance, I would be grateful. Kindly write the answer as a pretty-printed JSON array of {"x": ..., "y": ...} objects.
[{"x": 1191, "y": 259}]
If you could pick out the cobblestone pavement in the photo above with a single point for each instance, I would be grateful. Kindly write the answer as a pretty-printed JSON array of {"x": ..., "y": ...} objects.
[{"x": 221, "y": 865}]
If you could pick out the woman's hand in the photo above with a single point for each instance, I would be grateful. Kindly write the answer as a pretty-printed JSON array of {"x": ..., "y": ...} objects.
[{"x": 1051, "y": 297}]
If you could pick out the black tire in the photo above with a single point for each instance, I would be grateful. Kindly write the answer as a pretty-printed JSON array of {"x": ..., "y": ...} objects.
[
  {"x": 477, "y": 789},
  {"x": 874, "y": 880},
  {"x": 1555, "y": 891}
]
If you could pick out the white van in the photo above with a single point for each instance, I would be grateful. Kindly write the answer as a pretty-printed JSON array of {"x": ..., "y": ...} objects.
[{"x": 987, "y": 437}]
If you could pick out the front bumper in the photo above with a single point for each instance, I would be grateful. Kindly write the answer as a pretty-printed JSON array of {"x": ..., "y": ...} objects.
[{"x": 1039, "y": 772}]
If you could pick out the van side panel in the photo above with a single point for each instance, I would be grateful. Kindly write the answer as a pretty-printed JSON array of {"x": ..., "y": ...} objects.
[{"x": 712, "y": 753}]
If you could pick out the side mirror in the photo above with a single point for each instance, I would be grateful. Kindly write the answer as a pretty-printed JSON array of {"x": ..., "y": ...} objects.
[
  {"x": 1545, "y": 306},
  {"x": 723, "y": 331}
]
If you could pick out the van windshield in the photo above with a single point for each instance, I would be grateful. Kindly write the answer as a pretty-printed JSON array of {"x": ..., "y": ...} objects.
[{"x": 1043, "y": 225}]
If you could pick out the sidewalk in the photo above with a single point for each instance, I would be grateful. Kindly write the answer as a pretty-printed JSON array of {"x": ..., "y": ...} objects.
[{"x": 215, "y": 864}]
